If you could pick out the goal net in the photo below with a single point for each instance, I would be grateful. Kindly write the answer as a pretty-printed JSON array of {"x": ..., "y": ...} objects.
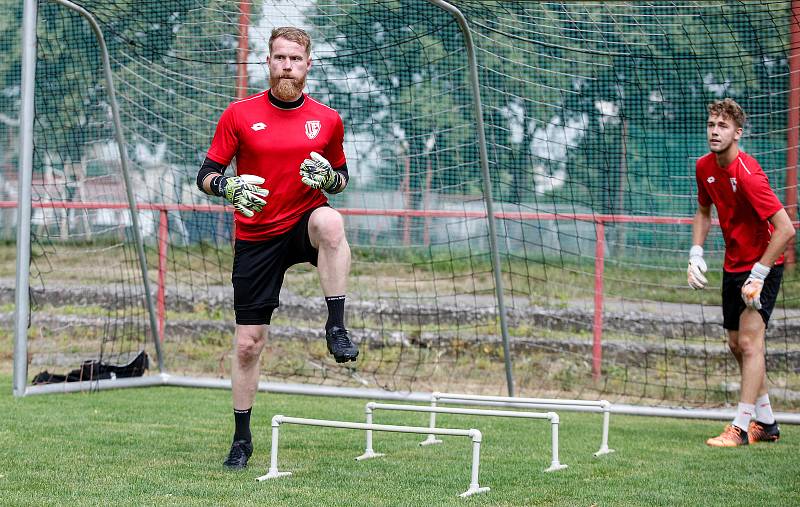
[{"x": 593, "y": 115}]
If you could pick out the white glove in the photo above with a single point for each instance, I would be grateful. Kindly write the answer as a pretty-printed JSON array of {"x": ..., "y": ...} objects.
[
  {"x": 317, "y": 173},
  {"x": 751, "y": 290},
  {"x": 697, "y": 267}
]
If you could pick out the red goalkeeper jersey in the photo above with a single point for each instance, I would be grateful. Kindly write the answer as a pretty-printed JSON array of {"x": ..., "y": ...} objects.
[
  {"x": 272, "y": 143},
  {"x": 744, "y": 202}
]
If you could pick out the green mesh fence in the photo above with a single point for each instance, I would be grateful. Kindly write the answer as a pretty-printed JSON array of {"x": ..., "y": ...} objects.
[{"x": 594, "y": 114}]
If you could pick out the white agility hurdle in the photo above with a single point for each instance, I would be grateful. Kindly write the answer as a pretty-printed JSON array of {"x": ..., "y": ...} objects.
[
  {"x": 369, "y": 452},
  {"x": 475, "y": 435},
  {"x": 600, "y": 406}
]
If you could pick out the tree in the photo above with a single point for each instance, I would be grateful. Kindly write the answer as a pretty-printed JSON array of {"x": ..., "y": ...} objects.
[
  {"x": 10, "y": 38},
  {"x": 173, "y": 65},
  {"x": 397, "y": 73}
]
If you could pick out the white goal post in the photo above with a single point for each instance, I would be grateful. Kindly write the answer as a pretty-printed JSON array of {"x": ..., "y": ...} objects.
[
  {"x": 431, "y": 253},
  {"x": 24, "y": 204}
]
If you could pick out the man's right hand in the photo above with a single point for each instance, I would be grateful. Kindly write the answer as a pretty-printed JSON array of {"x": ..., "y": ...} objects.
[
  {"x": 244, "y": 193},
  {"x": 697, "y": 268}
]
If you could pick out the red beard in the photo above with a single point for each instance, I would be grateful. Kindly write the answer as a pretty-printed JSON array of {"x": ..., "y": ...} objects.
[{"x": 286, "y": 89}]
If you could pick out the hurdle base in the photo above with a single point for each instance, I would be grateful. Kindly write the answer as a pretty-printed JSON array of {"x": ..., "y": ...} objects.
[
  {"x": 431, "y": 440},
  {"x": 602, "y": 451},
  {"x": 369, "y": 455},
  {"x": 474, "y": 490},
  {"x": 555, "y": 467},
  {"x": 273, "y": 474}
]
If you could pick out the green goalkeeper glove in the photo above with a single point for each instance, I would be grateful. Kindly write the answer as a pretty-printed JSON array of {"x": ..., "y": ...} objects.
[
  {"x": 317, "y": 173},
  {"x": 243, "y": 192}
]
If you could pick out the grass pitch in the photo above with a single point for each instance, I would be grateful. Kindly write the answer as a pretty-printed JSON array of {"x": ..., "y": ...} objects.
[{"x": 165, "y": 446}]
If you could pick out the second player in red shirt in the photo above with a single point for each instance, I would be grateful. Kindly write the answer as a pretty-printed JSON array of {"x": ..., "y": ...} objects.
[{"x": 757, "y": 230}]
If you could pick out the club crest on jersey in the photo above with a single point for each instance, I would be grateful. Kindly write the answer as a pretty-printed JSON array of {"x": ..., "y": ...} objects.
[
  {"x": 733, "y": 184},
  {"x": 312, "y": 128}
]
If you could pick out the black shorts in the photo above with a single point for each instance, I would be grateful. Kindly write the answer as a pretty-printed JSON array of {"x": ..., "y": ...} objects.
[
  {"x": 732, "y": 303},
  {"x": 259, "y": 267}
]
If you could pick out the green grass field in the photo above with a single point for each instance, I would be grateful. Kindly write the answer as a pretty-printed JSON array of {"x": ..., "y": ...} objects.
[{"x": 164, "y": 446}]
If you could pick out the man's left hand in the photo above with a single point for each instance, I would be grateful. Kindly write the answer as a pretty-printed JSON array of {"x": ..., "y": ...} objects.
[
  {"x": 317, "y": 173},
  {"x": 751, "y": 290}
]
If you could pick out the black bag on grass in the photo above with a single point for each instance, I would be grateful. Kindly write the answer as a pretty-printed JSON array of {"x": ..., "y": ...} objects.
[{"x": 96, "y": 370}]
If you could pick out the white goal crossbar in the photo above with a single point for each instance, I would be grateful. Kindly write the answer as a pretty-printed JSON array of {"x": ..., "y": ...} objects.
[
  {"x": 369, "y": 452},
  {"x": 475, "y": 435},
  {"x": 599, "y": 406}
]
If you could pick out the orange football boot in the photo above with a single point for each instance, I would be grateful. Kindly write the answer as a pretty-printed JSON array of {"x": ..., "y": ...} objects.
[{"x": 732, "y": 436}]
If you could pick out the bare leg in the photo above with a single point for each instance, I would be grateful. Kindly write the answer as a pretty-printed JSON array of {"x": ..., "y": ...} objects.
[
  {"x": 249, "y": 341},
  {"x": 733, "y": 344},
  {"x": 747, "y": 346},
  {"x": 326, "y": 231},
  {"x": 751, "y": 347}
]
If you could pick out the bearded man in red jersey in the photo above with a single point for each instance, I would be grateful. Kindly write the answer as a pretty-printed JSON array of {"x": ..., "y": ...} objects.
[
  {"x": 289, "y": 143},
  {"x": 756, "y": 230}
]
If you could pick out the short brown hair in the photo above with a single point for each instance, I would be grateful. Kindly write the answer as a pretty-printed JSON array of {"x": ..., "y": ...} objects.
[
  {"x": 293, "y": 34},
  {"x": 728, "y": 107}
]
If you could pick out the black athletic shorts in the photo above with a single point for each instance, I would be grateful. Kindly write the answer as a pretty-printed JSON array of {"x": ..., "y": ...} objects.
[
  {"x": 259, "y": 267},
  {"x": 732, "y": 303}
]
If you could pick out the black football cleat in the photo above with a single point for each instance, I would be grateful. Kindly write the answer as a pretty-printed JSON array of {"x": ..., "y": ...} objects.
[
  {"x": 340, "y": 346},
  {"x": 763, "y": 432},
  {"x": 241, "y": 450}
]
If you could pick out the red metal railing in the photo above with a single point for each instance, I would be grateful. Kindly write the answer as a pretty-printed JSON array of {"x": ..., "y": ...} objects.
[{"x": 599, "y": 221}]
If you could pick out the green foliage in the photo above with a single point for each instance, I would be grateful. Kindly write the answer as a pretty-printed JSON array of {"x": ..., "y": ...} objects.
[
  {"x": 640, "y": 162},
  {"x": 413, "y": 61},
  {"x": 179, "y": 67},
  {"x": 10, "y": 39},
  {"x": 159, "y": 81},
  {"x": 593, "y": 94}
]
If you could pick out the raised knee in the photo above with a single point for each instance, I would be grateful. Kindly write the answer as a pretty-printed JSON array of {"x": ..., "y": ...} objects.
[{"x": 330, "y": 230}]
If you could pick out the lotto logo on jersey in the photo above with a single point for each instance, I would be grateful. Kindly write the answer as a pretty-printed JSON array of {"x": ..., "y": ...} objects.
[
  {"x": 710, "y": 179},
  {"x": 258, "y": 126},
  {"x": 312, "y": 128},
  {"x": 733, "y": 184}
]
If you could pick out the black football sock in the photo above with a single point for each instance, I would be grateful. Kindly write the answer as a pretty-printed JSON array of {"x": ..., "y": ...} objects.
[
  {"x": 335, "y": 311},
  {"x": 242, "y": 419}
]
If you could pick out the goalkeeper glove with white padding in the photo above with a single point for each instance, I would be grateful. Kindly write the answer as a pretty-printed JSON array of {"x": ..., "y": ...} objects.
[
  {"x": 751, "y": 290},
  {"x": 242, "y": 191},
  {"x": 317, "y": 173},
  {"x": 697, "y": 268}
]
